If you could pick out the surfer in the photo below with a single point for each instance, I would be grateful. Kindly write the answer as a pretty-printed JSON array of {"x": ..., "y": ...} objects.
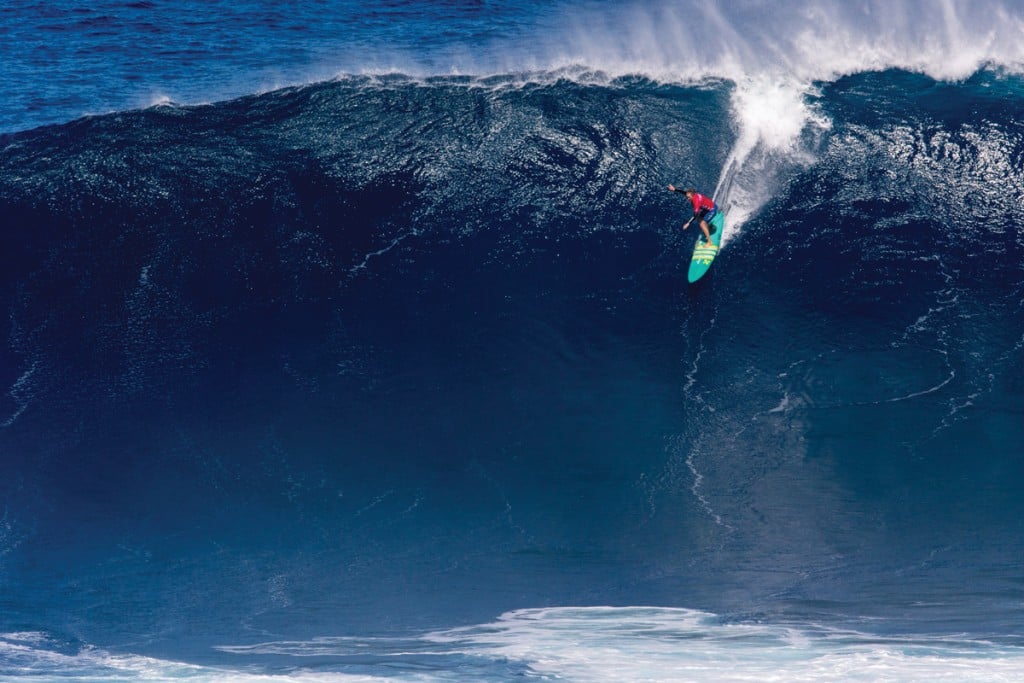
[{"x": 704, "y": 209}]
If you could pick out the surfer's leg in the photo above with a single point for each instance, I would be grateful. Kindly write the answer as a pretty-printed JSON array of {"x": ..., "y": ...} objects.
[{"x": 704, "y": 229}]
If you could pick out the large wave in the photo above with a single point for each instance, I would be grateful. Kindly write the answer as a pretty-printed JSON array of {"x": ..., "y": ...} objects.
[{"x": 395, "y": 352}]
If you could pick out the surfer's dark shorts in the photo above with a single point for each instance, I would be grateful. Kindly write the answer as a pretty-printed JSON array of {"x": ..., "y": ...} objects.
[{"x": 707, "y": 214}]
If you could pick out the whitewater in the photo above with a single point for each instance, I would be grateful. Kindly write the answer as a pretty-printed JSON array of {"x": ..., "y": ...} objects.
[{"x": 354, "y": 343}]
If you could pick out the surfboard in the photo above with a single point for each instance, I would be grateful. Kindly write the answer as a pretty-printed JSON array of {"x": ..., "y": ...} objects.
[{"x": 704, "y": 253}]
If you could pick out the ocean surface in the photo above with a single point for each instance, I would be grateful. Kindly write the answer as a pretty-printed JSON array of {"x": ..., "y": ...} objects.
[{"x": 350, "y": 341}]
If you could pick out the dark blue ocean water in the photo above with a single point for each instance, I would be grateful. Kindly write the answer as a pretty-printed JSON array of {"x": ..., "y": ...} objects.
[{"x": 352, "y": 342}]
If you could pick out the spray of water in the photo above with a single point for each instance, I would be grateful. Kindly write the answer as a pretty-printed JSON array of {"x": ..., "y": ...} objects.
[{"x": 776, "y": 131}]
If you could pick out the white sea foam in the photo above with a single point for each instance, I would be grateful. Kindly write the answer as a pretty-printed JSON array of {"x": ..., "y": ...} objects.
[
  {"x": 38, "y": 660},
  {"x": 561, "y": 643},
  {"x": 665, "y": 644},
  {"x": 671, "y": 644}
]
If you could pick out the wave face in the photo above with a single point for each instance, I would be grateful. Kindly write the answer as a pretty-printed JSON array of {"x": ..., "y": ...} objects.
[{"x": 400, "y": 376}]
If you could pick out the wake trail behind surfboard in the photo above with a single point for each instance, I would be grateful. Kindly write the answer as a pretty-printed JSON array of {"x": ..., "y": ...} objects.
[
  {"x": 778, "y": 132},
  {"x": 723, "y": 191}
]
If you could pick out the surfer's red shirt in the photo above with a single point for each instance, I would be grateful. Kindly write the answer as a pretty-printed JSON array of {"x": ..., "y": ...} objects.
[{"x": 699, "y": 202}]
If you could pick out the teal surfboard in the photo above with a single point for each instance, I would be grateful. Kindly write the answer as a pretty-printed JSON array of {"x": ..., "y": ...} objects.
[{"x": 704, "y": 253}]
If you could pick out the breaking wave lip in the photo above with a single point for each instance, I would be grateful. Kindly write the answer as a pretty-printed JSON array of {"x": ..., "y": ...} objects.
[{"x": 692, "y": 41}]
